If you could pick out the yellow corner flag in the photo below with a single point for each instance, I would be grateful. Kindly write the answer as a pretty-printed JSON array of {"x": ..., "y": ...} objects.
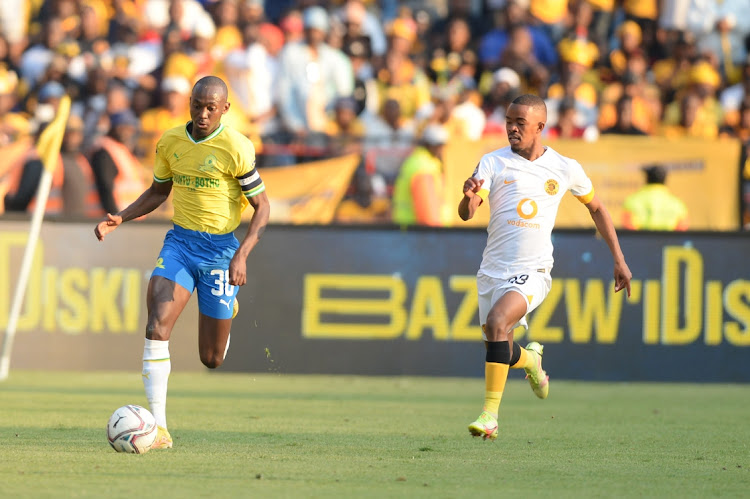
[
  {"x": 51, "y": 138},
  {"x": 48, "y": 148}
]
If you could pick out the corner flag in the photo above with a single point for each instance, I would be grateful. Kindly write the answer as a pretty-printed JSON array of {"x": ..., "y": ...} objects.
[{"x": 48, "y": 148}]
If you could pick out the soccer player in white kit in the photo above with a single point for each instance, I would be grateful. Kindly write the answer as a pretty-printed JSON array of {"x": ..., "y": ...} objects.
[{"x": 524, "y": 184}]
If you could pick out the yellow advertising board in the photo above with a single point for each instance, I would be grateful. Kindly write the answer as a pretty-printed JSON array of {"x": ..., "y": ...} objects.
[
  {"x": 703, "y": 173},
  {"x": 307, "y": 193}
]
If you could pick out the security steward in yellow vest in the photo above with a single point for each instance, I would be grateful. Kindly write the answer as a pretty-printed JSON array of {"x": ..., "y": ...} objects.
[
  {"x": 419, "y": 189},
  {"x": 653, "y": 207}
]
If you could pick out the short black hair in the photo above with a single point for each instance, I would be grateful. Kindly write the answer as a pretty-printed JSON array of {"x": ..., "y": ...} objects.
[
  {"x": 655, "y": 174},
  {"x": 212, "y": 82},
  {"x": 533, "y": 101},
  {"x": 530, "y": 100}
]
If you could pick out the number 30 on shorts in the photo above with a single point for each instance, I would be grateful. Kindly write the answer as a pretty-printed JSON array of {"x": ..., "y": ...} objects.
[
  {"x": 519, "y": 279},
  {"x": 222, "y": 283}
]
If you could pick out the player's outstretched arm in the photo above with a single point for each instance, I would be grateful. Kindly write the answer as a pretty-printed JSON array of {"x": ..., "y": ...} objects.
[
  {"x": 471, "y": 200},
  {"x": 604, "y": 225},
  {"x": 147, "y": 202},
  {"x": 238, "y": 265}
]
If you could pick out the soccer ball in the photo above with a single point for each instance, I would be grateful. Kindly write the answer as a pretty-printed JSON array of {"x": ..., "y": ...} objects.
[{"x": 131, "y": 428}]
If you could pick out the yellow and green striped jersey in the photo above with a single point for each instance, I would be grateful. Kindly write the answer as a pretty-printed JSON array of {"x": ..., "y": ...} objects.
[{"x": 212, "y": 178}]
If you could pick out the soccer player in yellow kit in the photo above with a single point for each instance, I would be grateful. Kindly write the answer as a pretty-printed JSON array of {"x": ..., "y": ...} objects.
[
  {"x": 211, "y": 169},
  {"x": 524, "y": 184}
]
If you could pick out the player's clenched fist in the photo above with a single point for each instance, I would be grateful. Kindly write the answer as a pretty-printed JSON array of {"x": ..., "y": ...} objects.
[{"x": 472, "y": 186}]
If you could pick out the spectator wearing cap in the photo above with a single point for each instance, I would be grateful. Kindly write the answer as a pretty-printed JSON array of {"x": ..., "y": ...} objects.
[
  {"x": 400, "y": 78},
  {"x": 419, "y": 191},
  {"x": 645, "y": 13},
  {"x": 653, "y": 206},
  {"x": 272, "y": 38},
  {"x": 174, "y": 111},
  {"x": 48, "y": 99},
  {"x": 358, "y": 23},
  {"x": 703, "y": 82},
  {"x": 506, "y": 86},
  {"x": 552, "y": 14},
  {"x": 119, "y": 176},
  {"x": 578, "y": 57},
  {"x": 312, "y": 76},
  {"x": 402, "y": 35},
  {"x": 629, "y": 37}
]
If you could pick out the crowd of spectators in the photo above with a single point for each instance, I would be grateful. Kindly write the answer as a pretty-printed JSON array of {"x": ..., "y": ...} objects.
[{"x": 310, "y": 78}]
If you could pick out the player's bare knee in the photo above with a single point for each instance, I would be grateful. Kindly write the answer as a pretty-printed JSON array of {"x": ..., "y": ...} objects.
[
  {"x": 497, "y": 327},
  {"x": 156, "y": 331}
]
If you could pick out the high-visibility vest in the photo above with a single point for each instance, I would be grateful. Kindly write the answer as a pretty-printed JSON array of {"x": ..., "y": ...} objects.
[
  {"x": 55, "y": 204},
  {"x": 93, "y": 206},
  {"x": 129, "y": 183},
  {"x": 653, "y": 207},
  {"x": 420, "y": 162}
]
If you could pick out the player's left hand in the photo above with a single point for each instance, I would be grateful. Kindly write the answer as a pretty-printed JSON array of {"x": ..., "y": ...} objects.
[
  {"x": 110, "y": 223},
  {"x": 622, "y": 277},
  {"x": 237, "y": 271}
]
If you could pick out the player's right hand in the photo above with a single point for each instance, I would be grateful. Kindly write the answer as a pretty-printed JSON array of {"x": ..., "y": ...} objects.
[
  {"x": 107, "y": 225},
  {"x": 472, "y": 186}
]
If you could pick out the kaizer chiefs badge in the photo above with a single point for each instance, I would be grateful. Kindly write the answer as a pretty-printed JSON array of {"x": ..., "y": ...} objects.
[{"x": 551, "y": 187}]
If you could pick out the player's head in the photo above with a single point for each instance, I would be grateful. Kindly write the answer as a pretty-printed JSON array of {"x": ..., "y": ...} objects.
[
  {"x": 208, "y": 102},
  {"x": 655, "y": 174},
  {"x": 434, "y": 138},
  {"x": 524, "y": 122}
]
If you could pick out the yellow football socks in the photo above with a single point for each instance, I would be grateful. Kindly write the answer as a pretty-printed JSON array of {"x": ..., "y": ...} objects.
[
  {"x": 524, "y": 361},
  {"x": 495, "y": 375}
]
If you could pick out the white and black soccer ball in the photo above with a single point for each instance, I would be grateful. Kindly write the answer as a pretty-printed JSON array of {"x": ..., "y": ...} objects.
[{"x": 131, "y": 428}]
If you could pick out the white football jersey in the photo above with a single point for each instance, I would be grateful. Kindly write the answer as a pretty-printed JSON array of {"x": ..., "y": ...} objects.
[{"x": 523, "y": 199}]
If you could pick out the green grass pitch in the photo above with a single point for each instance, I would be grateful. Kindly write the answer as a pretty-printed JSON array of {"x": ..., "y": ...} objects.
[{"x": 277, "y": 435}]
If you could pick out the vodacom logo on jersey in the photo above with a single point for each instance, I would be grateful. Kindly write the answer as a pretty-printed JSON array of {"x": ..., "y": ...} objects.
[{"x": 526, "y": 209}]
